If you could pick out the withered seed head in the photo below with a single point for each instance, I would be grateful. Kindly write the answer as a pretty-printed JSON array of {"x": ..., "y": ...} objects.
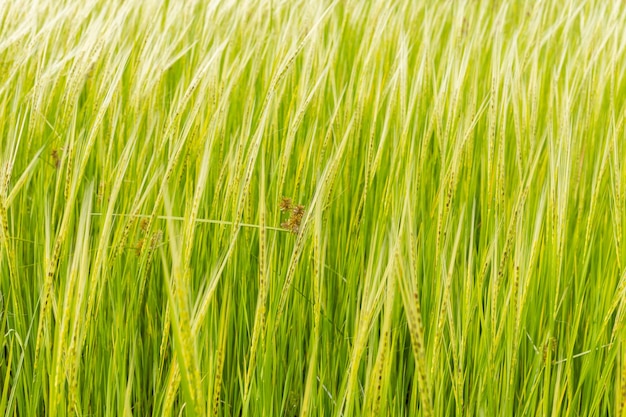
[
  {"x": 143, "y": 224},
  {"x": 139, "y": 247},
  {"x": 298, "y": 211},
  {"x": 56, "y": 158},
  {"x": 295, "y": 217},
  {"x": 285, "y": 204}
]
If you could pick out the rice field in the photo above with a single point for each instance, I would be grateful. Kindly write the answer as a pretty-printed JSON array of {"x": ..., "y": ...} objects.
[{"x": 312, "y": 208}]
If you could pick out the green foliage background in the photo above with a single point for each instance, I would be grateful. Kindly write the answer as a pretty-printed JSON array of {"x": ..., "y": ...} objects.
[{"x": 460, "y": 251}]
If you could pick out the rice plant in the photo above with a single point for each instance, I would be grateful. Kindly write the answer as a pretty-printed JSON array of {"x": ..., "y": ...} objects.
[{"x": 312, "y": 208}]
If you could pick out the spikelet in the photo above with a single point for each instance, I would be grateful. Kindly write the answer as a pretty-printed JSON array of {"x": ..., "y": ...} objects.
[
  {"x": 259, "y": 317},
  {"x": 47, "y": 290},
  {"x": 412, "y": 310},
  {"x": 167, "y": 324},
  {"x": 515, "y": 297},
  {"x": 125, "y": 233},
  {"x": 69, "y": 171},
  {"x": 382, "y": 358},
  {"x": 621, "y": 405},
  {"x": 218, "y": 381},
  {"x": 170, "y": 391},
  {"x": 220, "y": 356},
  {"x": 146, "y": 264},
  {"x": 5, "y": 176},
  {"x": 378, "y": 374},
  {"x": 416, "y": 329}
]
